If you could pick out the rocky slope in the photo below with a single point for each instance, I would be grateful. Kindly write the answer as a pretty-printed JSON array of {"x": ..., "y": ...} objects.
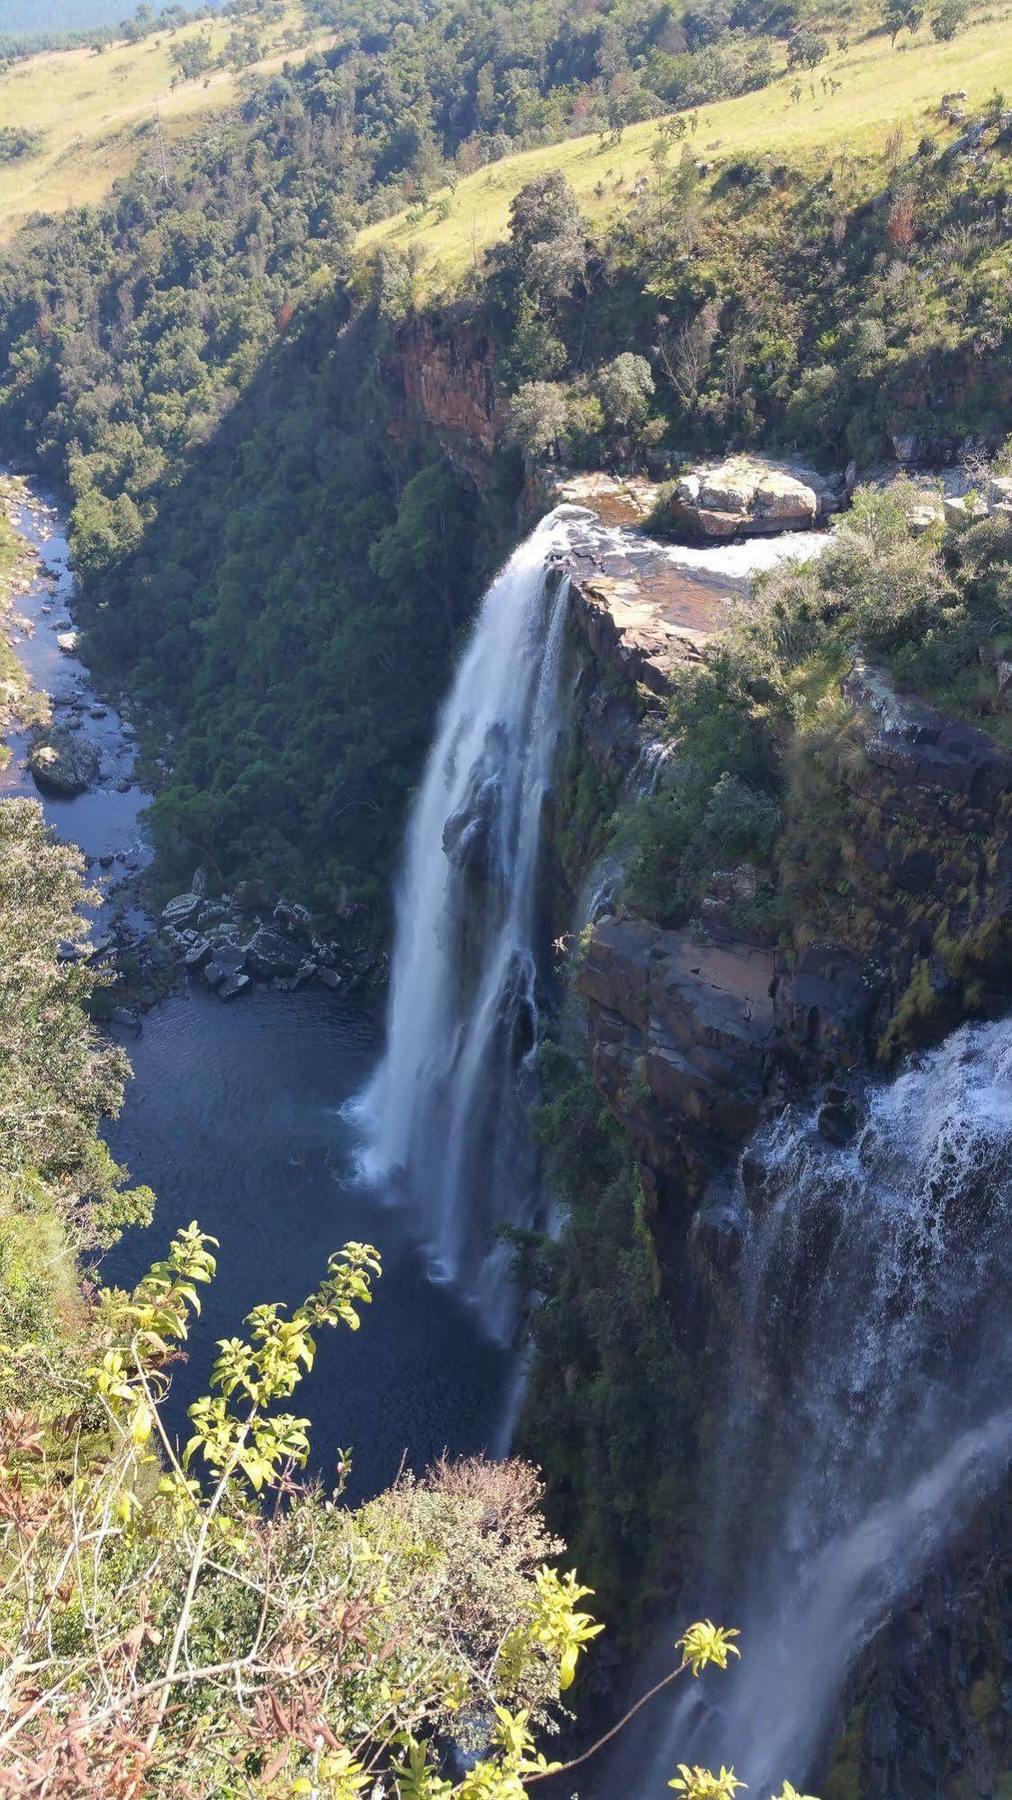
[{"x": 696, "y": 1034}]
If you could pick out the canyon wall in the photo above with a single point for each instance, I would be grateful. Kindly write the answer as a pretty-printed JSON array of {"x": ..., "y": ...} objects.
[{"x": 699, "y": 1034}]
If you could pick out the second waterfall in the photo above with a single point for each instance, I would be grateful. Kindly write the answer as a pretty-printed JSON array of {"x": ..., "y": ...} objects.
[{"x": 446, "y": 1110}]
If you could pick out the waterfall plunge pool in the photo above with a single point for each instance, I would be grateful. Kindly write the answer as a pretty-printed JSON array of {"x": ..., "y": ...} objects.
[{"x": 234, "y": 1116}]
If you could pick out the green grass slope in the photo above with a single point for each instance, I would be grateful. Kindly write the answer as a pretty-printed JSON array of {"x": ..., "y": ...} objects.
[
  {"x": 880, "y": 88},
  {"x": 97, "y": 114}
]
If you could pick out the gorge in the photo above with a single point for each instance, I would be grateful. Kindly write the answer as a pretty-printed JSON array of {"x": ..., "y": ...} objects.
[
  {"x": 506, "y": 575},
  {"x": 267, "y": 1161},
  {"x": 848, "y": 1264}
]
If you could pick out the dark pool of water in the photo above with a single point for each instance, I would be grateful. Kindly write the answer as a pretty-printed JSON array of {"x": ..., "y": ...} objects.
[{"x": 234, "y": 1117}]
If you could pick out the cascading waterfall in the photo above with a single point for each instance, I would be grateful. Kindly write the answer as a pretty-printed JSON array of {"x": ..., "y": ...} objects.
[
  {"x": 446, "y": 1109},
  {"x": 867, "y": 1408}
]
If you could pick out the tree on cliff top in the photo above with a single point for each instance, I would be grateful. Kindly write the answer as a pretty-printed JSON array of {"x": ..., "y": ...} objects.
[{"x": 547, "y": 238}]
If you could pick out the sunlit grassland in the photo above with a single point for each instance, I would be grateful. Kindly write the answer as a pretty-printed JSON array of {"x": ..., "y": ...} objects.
[
  {"x": 881, "y": 87},
  {"x": 97, "y": 114}
]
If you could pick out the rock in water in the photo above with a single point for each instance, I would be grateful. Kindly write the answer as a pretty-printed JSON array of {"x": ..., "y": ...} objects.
[
  {"x": 62, "y": 764},
  {"x": 224, "y": 972},
  {"x": 233, "y": 985},
  {"x": 67, "y": 640},
  {"x": 271, "y": 953},
  {"x": 747, "y": 496}
]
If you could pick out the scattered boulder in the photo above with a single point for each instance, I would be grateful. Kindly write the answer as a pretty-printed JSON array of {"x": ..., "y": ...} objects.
[
  {"x": 293, "y": 917},
  {"x": 960, "y": 509},
  {"x": 332, "y": 978},
  {"x": 233, "y": 985},
  {"x": 181, "y": 911},
  {"x": 750, "y": 496},
  {"x": 198, "y": 953},
  {"x": 67, "y": 642},
  {"x": 62, "y": 765},
  {"x": 270, "y": 953},
  {"x": 226, "y": 968}
]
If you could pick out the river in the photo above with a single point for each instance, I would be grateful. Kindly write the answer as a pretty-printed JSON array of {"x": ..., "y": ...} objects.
[{"x": 236, "y": 1116}]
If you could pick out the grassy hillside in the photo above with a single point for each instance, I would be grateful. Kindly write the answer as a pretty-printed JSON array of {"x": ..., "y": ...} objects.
[
  {"x": 880, "y": 87},
  {"x": 97, "y": 114}
]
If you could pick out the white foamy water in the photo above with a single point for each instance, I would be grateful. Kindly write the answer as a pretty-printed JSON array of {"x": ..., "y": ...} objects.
[
  {"x": 866, "y": 1411},
  {"x": 445, "y": 1112}
]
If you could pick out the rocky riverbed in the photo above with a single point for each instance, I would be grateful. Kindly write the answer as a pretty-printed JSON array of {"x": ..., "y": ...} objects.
[{"x": 74, "y": 750}]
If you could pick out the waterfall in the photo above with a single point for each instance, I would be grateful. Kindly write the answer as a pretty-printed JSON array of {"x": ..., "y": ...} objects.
[
  {"x": 445, "y": 1112},
  {"x": 867, "y": 1404}
]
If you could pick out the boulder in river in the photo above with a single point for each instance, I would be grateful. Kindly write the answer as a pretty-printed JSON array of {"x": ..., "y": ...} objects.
[
  {"x": 233, "y": 985},
  {"x": 749, "y": 495},
  {"x": 227, "y": 964},
  {"x": 271, "y": 953},
  {"x": 67, "y": 641},
  {"x": 62, "y": 764}
]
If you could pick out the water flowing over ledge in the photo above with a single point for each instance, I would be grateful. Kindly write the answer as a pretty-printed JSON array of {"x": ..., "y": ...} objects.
[
  {"x": 866, "y": 1410},
  {"x": 445, "y": 1111}
]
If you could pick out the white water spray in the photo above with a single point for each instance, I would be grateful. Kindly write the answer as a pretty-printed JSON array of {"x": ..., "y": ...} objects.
[
  {"x": 445, "y": 1110},
  {"x": 867, "y": 1407}
]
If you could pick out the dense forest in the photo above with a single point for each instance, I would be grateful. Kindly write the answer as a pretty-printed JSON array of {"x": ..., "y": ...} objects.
[{"x": 144, "y": 344}]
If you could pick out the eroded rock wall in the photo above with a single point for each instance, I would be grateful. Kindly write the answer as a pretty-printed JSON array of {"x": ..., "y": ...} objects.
[{"x": 695, "y": 1037}]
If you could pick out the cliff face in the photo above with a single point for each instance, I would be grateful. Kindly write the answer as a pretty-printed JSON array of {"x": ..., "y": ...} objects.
[
  {"x": 695, "y": 1037},
  {"x": 693, "y": 1034},
  {"x": 438, "y": 377}
]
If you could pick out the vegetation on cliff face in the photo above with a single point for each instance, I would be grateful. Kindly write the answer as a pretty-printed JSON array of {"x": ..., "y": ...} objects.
[
  {"x": 277, "y": 563},
  {"x": 612, "y": 1389},
  {"x": 60, "y": 1191},
  {"x": 764, "y": 735}
]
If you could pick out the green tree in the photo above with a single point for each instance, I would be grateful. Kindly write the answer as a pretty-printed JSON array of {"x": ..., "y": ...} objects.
[
  {"x": 547, "y": 235},
  {"x": 806, "y": 49},
  {"x": 538, "y": 419},
  {"x": 625, "y": 388},
  {"x": 946, "y": 22},
  {"x": 900, "y": 15}
]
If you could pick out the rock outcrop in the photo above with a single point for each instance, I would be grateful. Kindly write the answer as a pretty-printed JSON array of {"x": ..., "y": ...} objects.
[
  {"x": 62, "y": 763},
  {"x": 751, "y": 496},
  {"x": 440, "y": 378},
  {"x": 681, "y": 1032}
]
